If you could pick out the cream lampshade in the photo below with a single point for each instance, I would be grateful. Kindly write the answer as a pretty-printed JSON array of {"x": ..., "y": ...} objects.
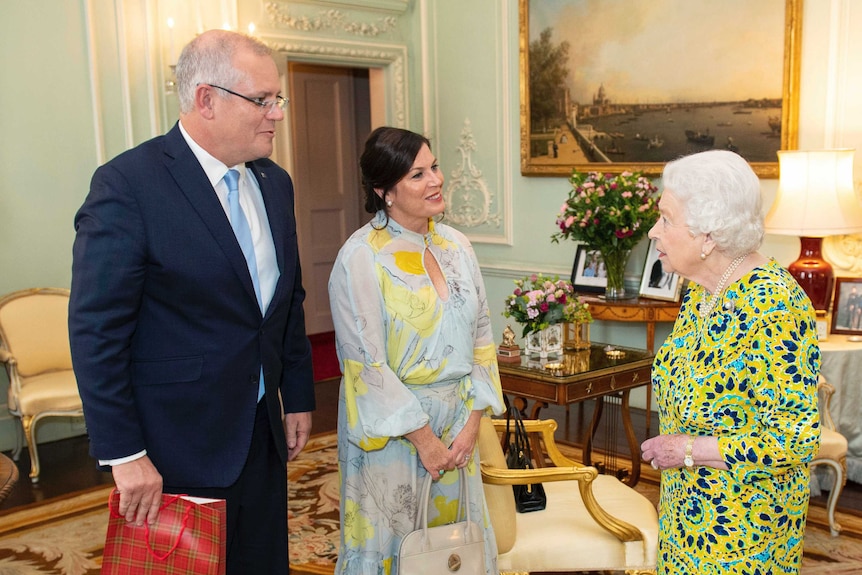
[{"x": 815, "y": 199}]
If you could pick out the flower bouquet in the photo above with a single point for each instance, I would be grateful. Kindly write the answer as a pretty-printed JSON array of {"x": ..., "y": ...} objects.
[
  {"x": 539, "y": 301},
  {"x": 610, "y": 213}
]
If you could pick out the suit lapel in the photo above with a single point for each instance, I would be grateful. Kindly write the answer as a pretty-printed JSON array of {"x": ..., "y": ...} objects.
[
  {"x": 272, "y": 200},
  {"x": 193, "y": 183}
]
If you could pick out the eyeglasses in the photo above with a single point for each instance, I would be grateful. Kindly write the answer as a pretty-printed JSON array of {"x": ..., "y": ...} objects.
[{"x": 280, "y": 101}]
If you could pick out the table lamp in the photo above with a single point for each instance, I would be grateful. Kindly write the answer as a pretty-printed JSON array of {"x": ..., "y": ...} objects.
[{"x": 815, "y": 199}]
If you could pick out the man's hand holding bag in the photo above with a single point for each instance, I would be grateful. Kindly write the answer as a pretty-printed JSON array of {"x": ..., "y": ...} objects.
[{"x": 189, "y": 536}]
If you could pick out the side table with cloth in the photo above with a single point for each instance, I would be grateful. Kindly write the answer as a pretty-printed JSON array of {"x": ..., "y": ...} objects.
[{"x": 842, "y": 367}]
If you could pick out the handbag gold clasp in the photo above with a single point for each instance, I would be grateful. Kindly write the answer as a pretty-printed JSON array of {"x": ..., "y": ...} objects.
[{"x": 454, "y": 562}]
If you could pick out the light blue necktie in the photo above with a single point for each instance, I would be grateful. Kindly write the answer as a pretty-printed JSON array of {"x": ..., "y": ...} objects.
[{"x": 243, "y": 235}]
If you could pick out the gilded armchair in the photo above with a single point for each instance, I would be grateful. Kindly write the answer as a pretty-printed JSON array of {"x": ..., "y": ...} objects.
[
  {"x": 592, "y": 522},
  {"x": 34, "y": 346}
]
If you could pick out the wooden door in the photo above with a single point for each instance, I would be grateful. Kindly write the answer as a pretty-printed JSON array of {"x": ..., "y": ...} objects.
[{"x": 326, "y": 175}]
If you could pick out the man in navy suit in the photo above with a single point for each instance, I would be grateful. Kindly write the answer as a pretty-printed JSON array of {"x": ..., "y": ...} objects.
[{"x": 191, "y": 356}]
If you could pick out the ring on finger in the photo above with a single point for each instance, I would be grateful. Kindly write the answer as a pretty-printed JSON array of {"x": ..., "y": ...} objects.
[{"x": 441, "y": 471}]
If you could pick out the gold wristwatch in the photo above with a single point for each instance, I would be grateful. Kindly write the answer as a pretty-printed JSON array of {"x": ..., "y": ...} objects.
[{"x": 689, "y": 458}]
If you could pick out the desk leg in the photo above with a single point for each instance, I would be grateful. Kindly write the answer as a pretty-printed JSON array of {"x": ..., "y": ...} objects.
[
  {"x": 634, "y": 448},
  {"x": 594, "y": 425}
]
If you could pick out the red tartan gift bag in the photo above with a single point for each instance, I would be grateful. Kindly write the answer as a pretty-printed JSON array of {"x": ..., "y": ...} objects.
[{"x": 188, "y": 537}]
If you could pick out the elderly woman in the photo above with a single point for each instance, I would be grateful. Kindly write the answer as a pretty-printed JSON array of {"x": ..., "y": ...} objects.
[
  {"x": 413, "y": 335},
  {"x": 735, "y": 382}
]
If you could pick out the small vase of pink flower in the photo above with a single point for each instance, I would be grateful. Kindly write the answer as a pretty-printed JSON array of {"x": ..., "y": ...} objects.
[{"x": 542, "y": 305}]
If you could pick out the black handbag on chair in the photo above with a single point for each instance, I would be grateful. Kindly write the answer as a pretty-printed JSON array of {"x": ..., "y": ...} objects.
[{"x": 530, "y": 497}]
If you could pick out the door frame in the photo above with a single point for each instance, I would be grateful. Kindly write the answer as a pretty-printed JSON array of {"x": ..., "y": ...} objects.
[{"x": 387, "y": 75}]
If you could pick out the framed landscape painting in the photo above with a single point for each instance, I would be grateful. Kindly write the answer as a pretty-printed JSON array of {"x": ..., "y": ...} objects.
[{"x": 618, "y": 86}]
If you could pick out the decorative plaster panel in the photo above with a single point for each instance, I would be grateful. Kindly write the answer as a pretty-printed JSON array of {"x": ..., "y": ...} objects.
[
  {"x": 391, "y": 58},
  {"x": 330, "y": 20},
  {"x": 845, "y": 252},
  {"x": 468, "y": 198},
  {"x": 397, "y": 6}
]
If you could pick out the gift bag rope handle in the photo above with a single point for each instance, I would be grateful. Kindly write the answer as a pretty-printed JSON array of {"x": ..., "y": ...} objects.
[{"x": 172, "y": 500}]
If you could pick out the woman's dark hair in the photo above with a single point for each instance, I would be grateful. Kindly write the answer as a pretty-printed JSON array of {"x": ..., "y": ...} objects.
[{"x": 388, "y": 156}]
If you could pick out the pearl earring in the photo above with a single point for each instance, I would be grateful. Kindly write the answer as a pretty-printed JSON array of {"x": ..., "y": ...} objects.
[
  {"x": 702, "y": 256},
  {"x": 389, "y": 203}
]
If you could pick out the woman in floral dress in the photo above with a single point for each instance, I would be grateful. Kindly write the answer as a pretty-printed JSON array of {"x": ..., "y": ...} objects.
[
  {"x": 735, "y": 382},
  {"x": 413, "y": 335}
]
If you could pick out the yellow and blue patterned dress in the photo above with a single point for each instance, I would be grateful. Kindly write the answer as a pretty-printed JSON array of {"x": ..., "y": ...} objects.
[
  {"x": 747, "y": 375},
  {"x": 408, "y": 358}
]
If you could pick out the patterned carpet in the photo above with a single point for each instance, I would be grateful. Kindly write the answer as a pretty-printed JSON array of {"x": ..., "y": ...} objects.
[{"x": 65, "y": 537}]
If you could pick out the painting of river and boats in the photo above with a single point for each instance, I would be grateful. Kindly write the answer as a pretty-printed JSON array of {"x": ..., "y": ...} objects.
[
  {"x": 618, "y": 86},
  {"x": 662, "y": 135}
]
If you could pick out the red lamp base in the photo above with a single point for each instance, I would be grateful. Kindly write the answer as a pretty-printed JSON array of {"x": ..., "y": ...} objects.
[{"x": 813, "y": 273}]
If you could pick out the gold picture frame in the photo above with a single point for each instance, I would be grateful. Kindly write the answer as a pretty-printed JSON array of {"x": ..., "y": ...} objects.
[{"x": 539, "y": 149}]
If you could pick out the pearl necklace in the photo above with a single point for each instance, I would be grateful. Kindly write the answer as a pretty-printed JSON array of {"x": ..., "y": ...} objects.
[{"x": 705, "y": 310}]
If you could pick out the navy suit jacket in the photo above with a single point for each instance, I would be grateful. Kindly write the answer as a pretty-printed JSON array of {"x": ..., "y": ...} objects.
[{"x": 167, "y": 337}]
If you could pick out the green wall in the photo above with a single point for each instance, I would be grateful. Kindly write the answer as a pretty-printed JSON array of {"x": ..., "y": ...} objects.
[{"x": 47, "y": 149}]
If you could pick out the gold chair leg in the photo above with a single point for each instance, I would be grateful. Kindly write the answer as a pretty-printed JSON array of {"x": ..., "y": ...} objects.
[{"x": 27, "y": 423}]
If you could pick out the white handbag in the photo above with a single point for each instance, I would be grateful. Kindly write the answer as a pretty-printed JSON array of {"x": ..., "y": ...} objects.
[{"x": 453, "y": 548}]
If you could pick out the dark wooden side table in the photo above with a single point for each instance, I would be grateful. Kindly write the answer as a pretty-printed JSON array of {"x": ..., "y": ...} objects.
[
  {"x": 8, "y": 476},
  {"x": 593, "y": 373},
  {"x": 648, "y": 311}
]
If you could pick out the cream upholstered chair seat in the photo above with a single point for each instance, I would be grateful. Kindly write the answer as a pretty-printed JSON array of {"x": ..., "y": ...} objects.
[
  {"x": 832, "y": 453},
  {"x": 49, "y": 391},
  {"x": 34, "y": 346},
  {"x": 591, "y": 522}
]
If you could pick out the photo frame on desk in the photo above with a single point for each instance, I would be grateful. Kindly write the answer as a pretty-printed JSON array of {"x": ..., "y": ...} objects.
[
  {"x": 655, "y": 282},
  {"x": 588, "y": 272},
  {"x": 847, "y": 307}
]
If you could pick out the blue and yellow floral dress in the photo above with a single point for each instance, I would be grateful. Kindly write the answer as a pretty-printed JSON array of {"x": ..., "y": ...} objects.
[
  {"x": 747, "y": 374},
  {"x": 408, "y": 358}
]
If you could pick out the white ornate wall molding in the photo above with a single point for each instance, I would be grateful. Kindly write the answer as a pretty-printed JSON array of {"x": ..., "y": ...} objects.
[
  {"x": 391, "y": 58},
  {"x": 479, "y": 189},
  {"x": 468, "y": 199},
  {"x": 395, "y": 6},
  {"x": 845, "y": 252},
  {"x": 329, "y": 20}
]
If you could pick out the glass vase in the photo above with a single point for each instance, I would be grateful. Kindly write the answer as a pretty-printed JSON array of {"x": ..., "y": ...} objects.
[{"x": 615, "y": 268}]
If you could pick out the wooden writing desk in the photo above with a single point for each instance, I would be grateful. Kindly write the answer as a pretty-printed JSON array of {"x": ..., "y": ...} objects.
[{"x": 582, "y": 375}]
